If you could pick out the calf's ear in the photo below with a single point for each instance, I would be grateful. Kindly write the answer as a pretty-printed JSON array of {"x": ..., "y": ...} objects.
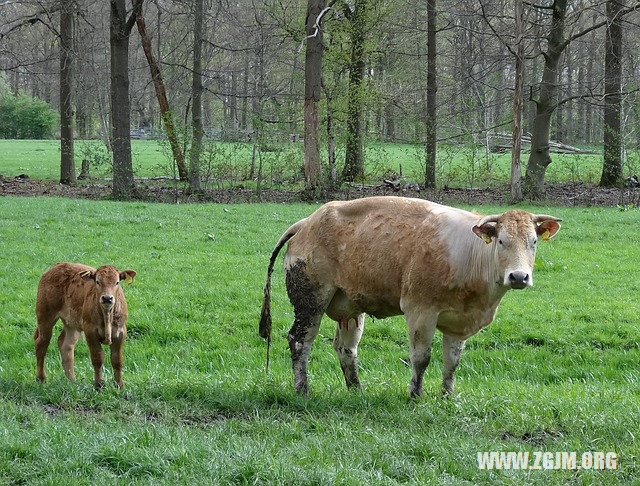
[
  {"x": 486, "y": 232},
  {"x": 128, "y": 275},
  {"x": 88, "y": 275},
  {"x": 547, "y": 229}
]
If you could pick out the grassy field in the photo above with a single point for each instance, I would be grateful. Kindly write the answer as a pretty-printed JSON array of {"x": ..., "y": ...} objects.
[
  {"x": 457, "y": 166},
  {"x": 559, "y": 369}
]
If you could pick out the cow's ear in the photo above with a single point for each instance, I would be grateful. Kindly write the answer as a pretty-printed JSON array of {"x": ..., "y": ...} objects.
[
  {"x": 486, "y": 232},
  {"x": 547, "y": 229},
  {"x": 128, "y": 275},
  {"x": 88, "y": 275}
]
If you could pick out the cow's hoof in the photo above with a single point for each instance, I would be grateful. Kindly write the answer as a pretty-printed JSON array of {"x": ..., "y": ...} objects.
[
  {"x": 41, "y": 379},
  {"x": 302, "y": 390},
  {"x": 415, "y": 393},
  {"x": 119, "y": 384},
  {"x": 99, "y": 385}
]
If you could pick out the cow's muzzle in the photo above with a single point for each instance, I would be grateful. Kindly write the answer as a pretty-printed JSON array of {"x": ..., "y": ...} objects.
[
  {"x": 106, "y": 300},
  {"x": 519, "y": 280}
]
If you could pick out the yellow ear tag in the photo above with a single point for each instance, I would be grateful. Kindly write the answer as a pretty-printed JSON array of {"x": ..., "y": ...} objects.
[
  {"x": 486, "y": 238},
  {"x": 129, "y": 279},
  {"x": 546, "y": 236},
  {"x": 85, "y": 273}
]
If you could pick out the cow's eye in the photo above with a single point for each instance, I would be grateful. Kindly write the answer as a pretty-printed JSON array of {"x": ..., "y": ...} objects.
[
  {"x": 500, "y": 241},
  {"x": 97, "y": 282},
  {"x": 117, "y": 283}
]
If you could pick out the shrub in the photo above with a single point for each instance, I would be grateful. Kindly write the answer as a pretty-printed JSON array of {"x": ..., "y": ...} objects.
[{"x": 25, "y": 117}]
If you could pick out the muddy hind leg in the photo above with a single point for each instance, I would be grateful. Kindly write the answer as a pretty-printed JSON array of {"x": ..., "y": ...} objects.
[
  {"x": 41, "y": 339},
  {"x": 309, "y": 301},
  {"x": 345, "y": 342}
]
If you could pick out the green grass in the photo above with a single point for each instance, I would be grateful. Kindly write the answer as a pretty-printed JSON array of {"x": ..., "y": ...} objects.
[
  {"x": 557, "y": 371},
  {"x": 458, "y": 166}
]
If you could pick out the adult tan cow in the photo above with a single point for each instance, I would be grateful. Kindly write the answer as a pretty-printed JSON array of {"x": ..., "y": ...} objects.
[
  {"x": 87, "y": 300},
  {"x": 443, "y": 268}
]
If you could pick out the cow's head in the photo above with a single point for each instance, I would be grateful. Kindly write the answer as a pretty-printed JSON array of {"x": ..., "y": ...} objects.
[
  {"x": 515, "y": 235},
  {"x": 107, "y": 280}
]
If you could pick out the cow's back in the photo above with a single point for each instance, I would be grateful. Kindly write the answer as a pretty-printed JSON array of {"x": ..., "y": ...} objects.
[
  {"x": 368, "y": 247},
  {"x": 62, "y": 291}
]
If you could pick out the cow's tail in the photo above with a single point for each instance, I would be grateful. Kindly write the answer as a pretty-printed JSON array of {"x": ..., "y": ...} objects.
[{"x": 264, "y": 328}]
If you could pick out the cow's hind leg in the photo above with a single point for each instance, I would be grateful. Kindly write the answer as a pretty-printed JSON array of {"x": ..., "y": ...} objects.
[
  {"x": 451, "y": 352},
  {"x": 309, "y": 300},
  {"x": 422, "y": 327},
  {"x": 66, "y": 343},
  {"x": 345, "y": 342},
  {"x": 41, "y": 339}
]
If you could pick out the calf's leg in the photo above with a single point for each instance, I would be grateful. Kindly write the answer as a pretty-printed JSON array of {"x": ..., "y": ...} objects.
[
  {"x": 422, "y": 327},
  {"x": 97, "y": 357},
  {"x": 451, "y": 352},
  {"x": 66, "y": 343},
  {"x": 345, "y": 342},
  {"x": 41, "y": 339},
  {"x": 116, "y": 358}
]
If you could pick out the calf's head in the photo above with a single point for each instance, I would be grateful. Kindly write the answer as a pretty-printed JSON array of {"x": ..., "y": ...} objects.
[
  {"x": 107, "y": 280},
  {"x": 514, "y": 236}
]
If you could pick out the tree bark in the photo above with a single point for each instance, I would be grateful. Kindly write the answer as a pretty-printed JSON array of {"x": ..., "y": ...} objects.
[
  {"x": 516, "y": 147},
  {"x": 354, "y": 162},
  {"x": 612, "y": 167},
  {"x": 432, "y": 88},
  {"x": 539, "y": 158},
  {"x": 312, "y": 87},
  {"x": 67, "y": 164},
  {"x": 161, "y": 95},
  {"x": 120, "y": 31},
  {"x": 196, "y": 110}
]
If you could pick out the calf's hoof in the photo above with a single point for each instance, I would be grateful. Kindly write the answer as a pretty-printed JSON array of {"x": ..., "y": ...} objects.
[
  {"x": 99, "y": 385},
  {"x": 119, "y": 384}
]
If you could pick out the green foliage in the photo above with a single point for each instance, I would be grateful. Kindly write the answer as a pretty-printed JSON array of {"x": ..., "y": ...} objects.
[
  {"x": 24, "y": 117},
  {"x": 556, "y": 371}
]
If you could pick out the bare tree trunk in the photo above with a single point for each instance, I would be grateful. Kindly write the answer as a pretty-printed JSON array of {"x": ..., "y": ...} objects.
[
  {"x": 312, "y": 86},
  {"x": 612, "y": 167},
  {"x": 233, "y": 101},
  {"x": 354, "y": 162},
  {"x": 161, "y": 95},
  {"x": 245, "y": 93},
  {"x": 516, "y": 147},
  {"x": 120, "y": 31},
  {"x": 432, "y": 88},
  {"x": 67, "y": 164},
  {"x": 539, "y": 159},
  {"x": 196, "y": 110}
]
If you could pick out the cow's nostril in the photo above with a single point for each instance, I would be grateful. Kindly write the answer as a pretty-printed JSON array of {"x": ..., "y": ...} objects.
[
  {"x": 518, "y": 279},
  {"x": 107, "y": 299}
]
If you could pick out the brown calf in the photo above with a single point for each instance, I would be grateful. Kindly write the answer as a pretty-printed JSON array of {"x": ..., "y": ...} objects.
[{"x": 86, "y": 300}]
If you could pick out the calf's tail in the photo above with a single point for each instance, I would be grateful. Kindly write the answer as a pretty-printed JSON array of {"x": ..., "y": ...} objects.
[{"x": 264, "y": 328}]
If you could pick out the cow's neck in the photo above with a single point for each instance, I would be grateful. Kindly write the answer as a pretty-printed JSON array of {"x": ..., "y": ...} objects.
[
  {"x": 107, "y": 318},
  {"x": 473, "y": 263}
]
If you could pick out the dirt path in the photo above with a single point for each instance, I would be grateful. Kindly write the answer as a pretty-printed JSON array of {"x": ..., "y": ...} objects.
[{"x": 557, "y": 194}]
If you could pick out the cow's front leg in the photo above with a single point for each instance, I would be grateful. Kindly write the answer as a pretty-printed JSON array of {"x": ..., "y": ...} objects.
[
  {"x": 117, "y": 346},
  {"x": 97, "y": 357},
  {"x": 451, "y": 352},
  {"x": 422, "y": 327},
  {"x": 345, "y": 342}
]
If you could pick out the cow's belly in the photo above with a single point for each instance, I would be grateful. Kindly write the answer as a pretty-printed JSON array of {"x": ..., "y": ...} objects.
[
  {"x": 465, "y": 324},
  {"x": 343, "y": 306},
  {"x": 71, "y": 317}
]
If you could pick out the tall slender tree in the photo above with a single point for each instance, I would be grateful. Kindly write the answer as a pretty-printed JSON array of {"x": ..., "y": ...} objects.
[
  {"x": 161, "y": 95},
  {"x": 312, "y": 87},
  {"x": 612, "y": 167},
  {"x": 67, "y": 165},
  {"x": 432, "y": 89},
  {"x": 516, "y": 148},
  {"x": 354, "y": 162},
  {"x": 196, "y": 110},
  {"x": 120, "y": 31}
]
